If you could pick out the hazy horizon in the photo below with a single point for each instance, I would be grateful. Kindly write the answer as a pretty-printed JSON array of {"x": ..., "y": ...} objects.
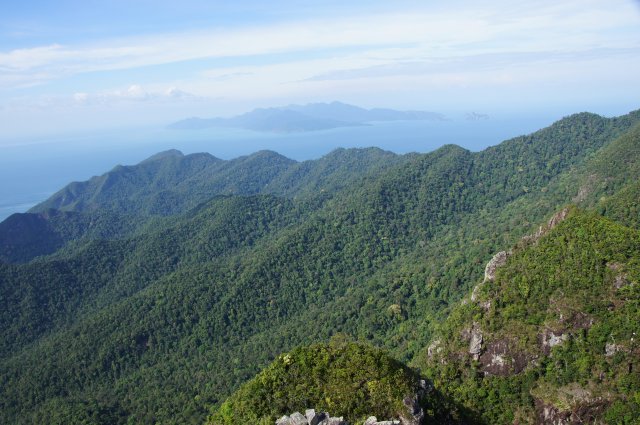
[
  {"x": 88, "y": 85},
  {"x": 80, "y": 66},
  {"x": 34, "y": 169}
]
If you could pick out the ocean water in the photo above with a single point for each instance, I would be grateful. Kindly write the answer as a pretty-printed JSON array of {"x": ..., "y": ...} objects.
[{"x": 32, "y": 170}]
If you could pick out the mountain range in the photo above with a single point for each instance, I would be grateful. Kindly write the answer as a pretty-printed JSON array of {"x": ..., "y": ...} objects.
[
  {"x": 491, "y": 287},
  {"x": 301, "y": 118}
]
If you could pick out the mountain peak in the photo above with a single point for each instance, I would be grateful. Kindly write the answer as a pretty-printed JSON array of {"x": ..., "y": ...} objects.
[{"x": 171, "y": 153}]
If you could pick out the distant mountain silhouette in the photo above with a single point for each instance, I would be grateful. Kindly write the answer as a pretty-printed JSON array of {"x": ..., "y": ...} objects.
[{"x": 302, "y": 118}]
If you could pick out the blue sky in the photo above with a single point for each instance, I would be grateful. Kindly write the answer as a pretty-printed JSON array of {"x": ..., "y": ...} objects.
[{"x": 77, "y": 65}]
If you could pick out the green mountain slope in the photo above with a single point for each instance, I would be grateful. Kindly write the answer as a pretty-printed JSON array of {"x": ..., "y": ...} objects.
[
  {"x": 553, "y": 335},
  {"x": 45, "y": 294},
  {"x": 346, "y": 379},
  {"x": 163, "y": 323},
  {"x": 129, "y": 200},
  {"x": 170, "y": 182}
]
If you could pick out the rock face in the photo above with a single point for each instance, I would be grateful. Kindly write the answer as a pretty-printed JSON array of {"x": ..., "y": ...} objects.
[
  {"x": 550, "y": 339},
  {"x": 323, "y": 418},
  {"x": 372, "y": 420},
  {"x": 416, "y": 413},
  {"x": 502, "y": 357},
  {"x": 557, "y": 218},
  {"x": 580, "y": 408},
  {"x": 434, "y": 348},
  {"x": 498, "y": 260},
  {"x": 310, "y": 418},
  {"x": 475, "y": 344}
]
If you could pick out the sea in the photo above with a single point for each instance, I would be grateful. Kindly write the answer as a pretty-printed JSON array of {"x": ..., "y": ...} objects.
[{"x": 33, "y": 169}]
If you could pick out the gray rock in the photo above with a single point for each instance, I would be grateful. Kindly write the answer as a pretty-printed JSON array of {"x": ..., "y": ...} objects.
[
  {"x": 620, "y": 281},
  {"x": 434, "y": 348},
  {"x": 425, "y": 387},
  {"x": 416, "y": 414},
  {"x": 498, "y": 260},
  {"x": 476, "y": 289},
  {"x": 475, "y": 345},
  {"x": 557, "y": 339},
  {"x": 611, "y": 349},
  {"x": 372, "y": 420},
  {"x": 285, "y": 420},
  {"x": 557, "y": 218},
  {"x": 298, "y": 419},
  {"x": 312, "y": 417},
  {"x": 334, "y": 421}
]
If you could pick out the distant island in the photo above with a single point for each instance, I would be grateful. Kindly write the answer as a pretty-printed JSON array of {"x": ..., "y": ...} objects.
[{"x": 303, "y": 118}]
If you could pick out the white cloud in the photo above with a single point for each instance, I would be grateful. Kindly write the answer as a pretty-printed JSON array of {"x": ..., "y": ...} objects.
[
  {"x": 476, "y": 29},
  {"x": 133, "y": 94},
  {"x": 476, "y": 63}
]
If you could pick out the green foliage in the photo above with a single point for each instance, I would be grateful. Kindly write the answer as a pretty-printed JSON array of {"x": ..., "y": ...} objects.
[
  {"x": 344, "y": 378},
  {"x": 570, "y": 276},
  {"x": 170, "y": 183},
  {"x": 161, "y": 311}
]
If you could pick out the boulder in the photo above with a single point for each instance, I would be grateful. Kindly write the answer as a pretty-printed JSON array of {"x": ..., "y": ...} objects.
[
  {"x": 314, "y": 418},
  {"x": 298, "y": 418},
  {"x": 285, "y": 420},
  {"x": 372, "y": 420}
]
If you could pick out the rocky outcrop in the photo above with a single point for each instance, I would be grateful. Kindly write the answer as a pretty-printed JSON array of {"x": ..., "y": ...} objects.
[
  {"x": 556, "y": 219},
  {"x": 610, "y": 349},
  {"x": 586, "y": 189},
  {"x": 372, "y": 420},
  {"x": 474, "y": 336},
  {"x": 621, "y": 279},
  {"x": 415, "y": 413},
  {"x": 434, "y": 348},
  {"x": 549, "y": 339},
  {"x": 475, "y": 345},
  {"x": 581, "y": 414},
  {"x": 498, "y": 260},
  {"x": 310, "y": 418},
  {"x": 578, "y": 406},
  {"x": 503, "y": 358}
]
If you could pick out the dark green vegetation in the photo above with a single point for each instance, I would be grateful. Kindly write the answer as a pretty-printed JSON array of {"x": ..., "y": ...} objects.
[
  {"x": 171, "y": 183},
  {"x": 171, "y": 283},
  {"x": 560, "y": 330},
  {"x": 338, "y": 377}
]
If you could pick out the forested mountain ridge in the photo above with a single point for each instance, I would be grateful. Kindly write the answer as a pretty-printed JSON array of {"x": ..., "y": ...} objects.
[
  {"x": 507, "y": 382},
  {"x": 172, "y": 183},
  {"x": 163, "y": 323},
  {"x": 131, "y": 199},
  {"x": 551, "y": 336}
]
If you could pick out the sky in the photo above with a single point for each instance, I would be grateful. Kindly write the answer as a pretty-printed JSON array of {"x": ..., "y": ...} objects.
[{"x": 81, "y": 65}]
